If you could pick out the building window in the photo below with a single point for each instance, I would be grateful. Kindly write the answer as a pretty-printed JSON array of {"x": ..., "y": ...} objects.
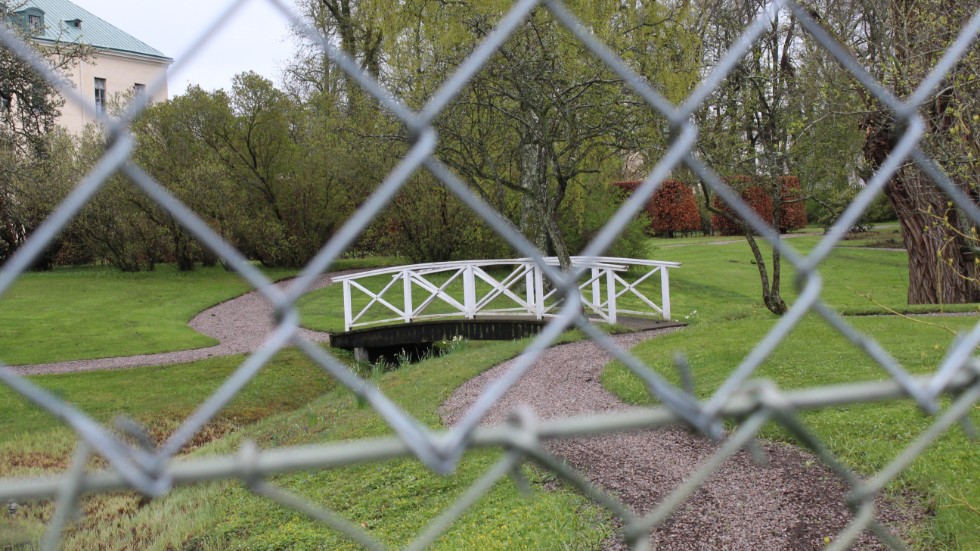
[
  {"x": 31, "y": 19},
  {"x": 100, "y": 95},
  {"x": 35, "y": 24},
  {"x": 139, "y": 90}
]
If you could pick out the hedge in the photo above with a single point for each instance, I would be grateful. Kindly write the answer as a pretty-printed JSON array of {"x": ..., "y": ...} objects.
[
  {"x": 672, "y": 208},
  {"x": 759, "y": 199}
]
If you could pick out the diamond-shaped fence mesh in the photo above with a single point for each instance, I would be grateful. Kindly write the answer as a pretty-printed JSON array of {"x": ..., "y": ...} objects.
[{"x": 949, "y": 394}]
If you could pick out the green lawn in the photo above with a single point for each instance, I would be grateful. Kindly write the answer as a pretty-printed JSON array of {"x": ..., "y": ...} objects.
[
  {"x": 81, "y": 313},
  {"x": 720, "y": 283},
  {"x": 99, "y": 312},
  {"x": 290, "y": 402},
  {"x": 162, "y": 394}
]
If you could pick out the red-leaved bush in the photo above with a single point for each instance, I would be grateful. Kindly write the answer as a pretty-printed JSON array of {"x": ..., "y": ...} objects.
[
  {"x": 673, "y": 207},
  {"x": 793, "y": 216},
  {"x": 794, "y": 210}
]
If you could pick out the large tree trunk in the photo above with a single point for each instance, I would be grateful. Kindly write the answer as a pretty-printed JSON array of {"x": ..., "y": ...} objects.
[
  {"x": 939, "y": 240},
  {"x": 942, "y": 262}
]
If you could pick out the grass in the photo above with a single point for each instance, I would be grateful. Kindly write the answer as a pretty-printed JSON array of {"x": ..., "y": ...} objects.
[
  {"x": 83, "y": 313},
  {"x": 33, "y": 442},
  {"x": 159, "y": 397},
  {"x": 720, "y": 283},
  {"x": 99, "y": 312},
  {"x": 393, "y": 499}
]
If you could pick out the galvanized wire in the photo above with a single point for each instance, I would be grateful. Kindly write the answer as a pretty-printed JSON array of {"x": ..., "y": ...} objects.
[{"x": 154, "y": 472}]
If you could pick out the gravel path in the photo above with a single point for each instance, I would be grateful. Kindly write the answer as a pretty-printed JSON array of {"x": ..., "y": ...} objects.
[
  {"x": 791, "y": 503},
  {"x": 240, "y": 325}
]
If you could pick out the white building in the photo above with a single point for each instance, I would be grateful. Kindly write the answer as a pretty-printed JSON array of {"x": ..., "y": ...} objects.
[{"x": 121, "y": 64}]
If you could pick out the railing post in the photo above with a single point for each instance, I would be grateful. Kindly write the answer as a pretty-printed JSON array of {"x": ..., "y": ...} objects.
[
  {"x": 611, "y": 293},
  {"x": 407, "y": 285},
  {"x": 529, "y": 284},
  {"x": 348, "y": 309},
  {"x": 469, "y": 293},
  {"x": 665, "y": 292},
  {"x": 596, "y": 289},
  {"x": 538, "y": 292}
]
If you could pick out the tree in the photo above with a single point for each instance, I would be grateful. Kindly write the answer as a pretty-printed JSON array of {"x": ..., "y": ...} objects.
[
  {"x": 29, "y": 107},
  {"x": 900, "y": 42},
  {"x": 357, "y": 27},
  {"x": 750, "y": 124},
  {"x": 544, "y": 113},
  {"x": 113, "y": 226},
  {"x": 427, "y": 223},
  {"x": 171, "y": 147},
  {"x": 266, "y": 171},
  {"x": 540, "y": 116},
  {"x": 587, "y": 209}
]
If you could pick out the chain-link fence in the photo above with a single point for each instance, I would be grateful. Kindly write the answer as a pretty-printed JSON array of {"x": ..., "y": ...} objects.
[{"x": 154, "y": 472}]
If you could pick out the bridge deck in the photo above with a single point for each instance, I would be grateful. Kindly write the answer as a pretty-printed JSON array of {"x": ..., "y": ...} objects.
[{"x": 491, "y": 328}]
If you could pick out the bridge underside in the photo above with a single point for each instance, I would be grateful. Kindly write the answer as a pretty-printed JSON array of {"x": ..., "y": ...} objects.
[{"x": 368, "y": 344}]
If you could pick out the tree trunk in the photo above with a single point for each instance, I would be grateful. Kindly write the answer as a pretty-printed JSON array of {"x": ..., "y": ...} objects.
[
  {"x": 534, "y": 182},
  {"x": 939, "y": 240},
  {"x": 942, "y": 263},
  {"x": 770, "y": 294},
  {"x": 557, "y": 239}
]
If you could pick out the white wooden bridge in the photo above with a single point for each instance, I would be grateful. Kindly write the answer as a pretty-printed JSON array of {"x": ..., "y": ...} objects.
[{"x": 512, "y": 288}]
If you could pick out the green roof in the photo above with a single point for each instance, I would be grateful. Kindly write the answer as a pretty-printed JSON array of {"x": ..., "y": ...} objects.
[{"x": 93, "y": 30}]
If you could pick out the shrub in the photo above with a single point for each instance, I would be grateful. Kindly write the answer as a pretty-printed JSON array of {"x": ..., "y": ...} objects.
[
  {"x": 427, "y": 223},
  {"x": 583, "y": 220},
  {"x": 759, "y": 199},
  {"x": 794, "y": 207},
  {"x": 672, "y": 208}
]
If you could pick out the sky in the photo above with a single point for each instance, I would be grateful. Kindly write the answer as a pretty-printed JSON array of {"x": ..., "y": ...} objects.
[{"x": 257, "y": 37}]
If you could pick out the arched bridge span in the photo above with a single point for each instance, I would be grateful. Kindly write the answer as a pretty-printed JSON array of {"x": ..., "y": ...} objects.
[{"x": 493, "y": 299}]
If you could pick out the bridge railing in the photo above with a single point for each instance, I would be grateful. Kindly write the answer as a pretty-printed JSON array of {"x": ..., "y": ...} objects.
[{"x": 501, "y": 287}]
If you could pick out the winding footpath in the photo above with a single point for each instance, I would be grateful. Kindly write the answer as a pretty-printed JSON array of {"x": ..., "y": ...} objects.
[{"x": 793, "y": 502}]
